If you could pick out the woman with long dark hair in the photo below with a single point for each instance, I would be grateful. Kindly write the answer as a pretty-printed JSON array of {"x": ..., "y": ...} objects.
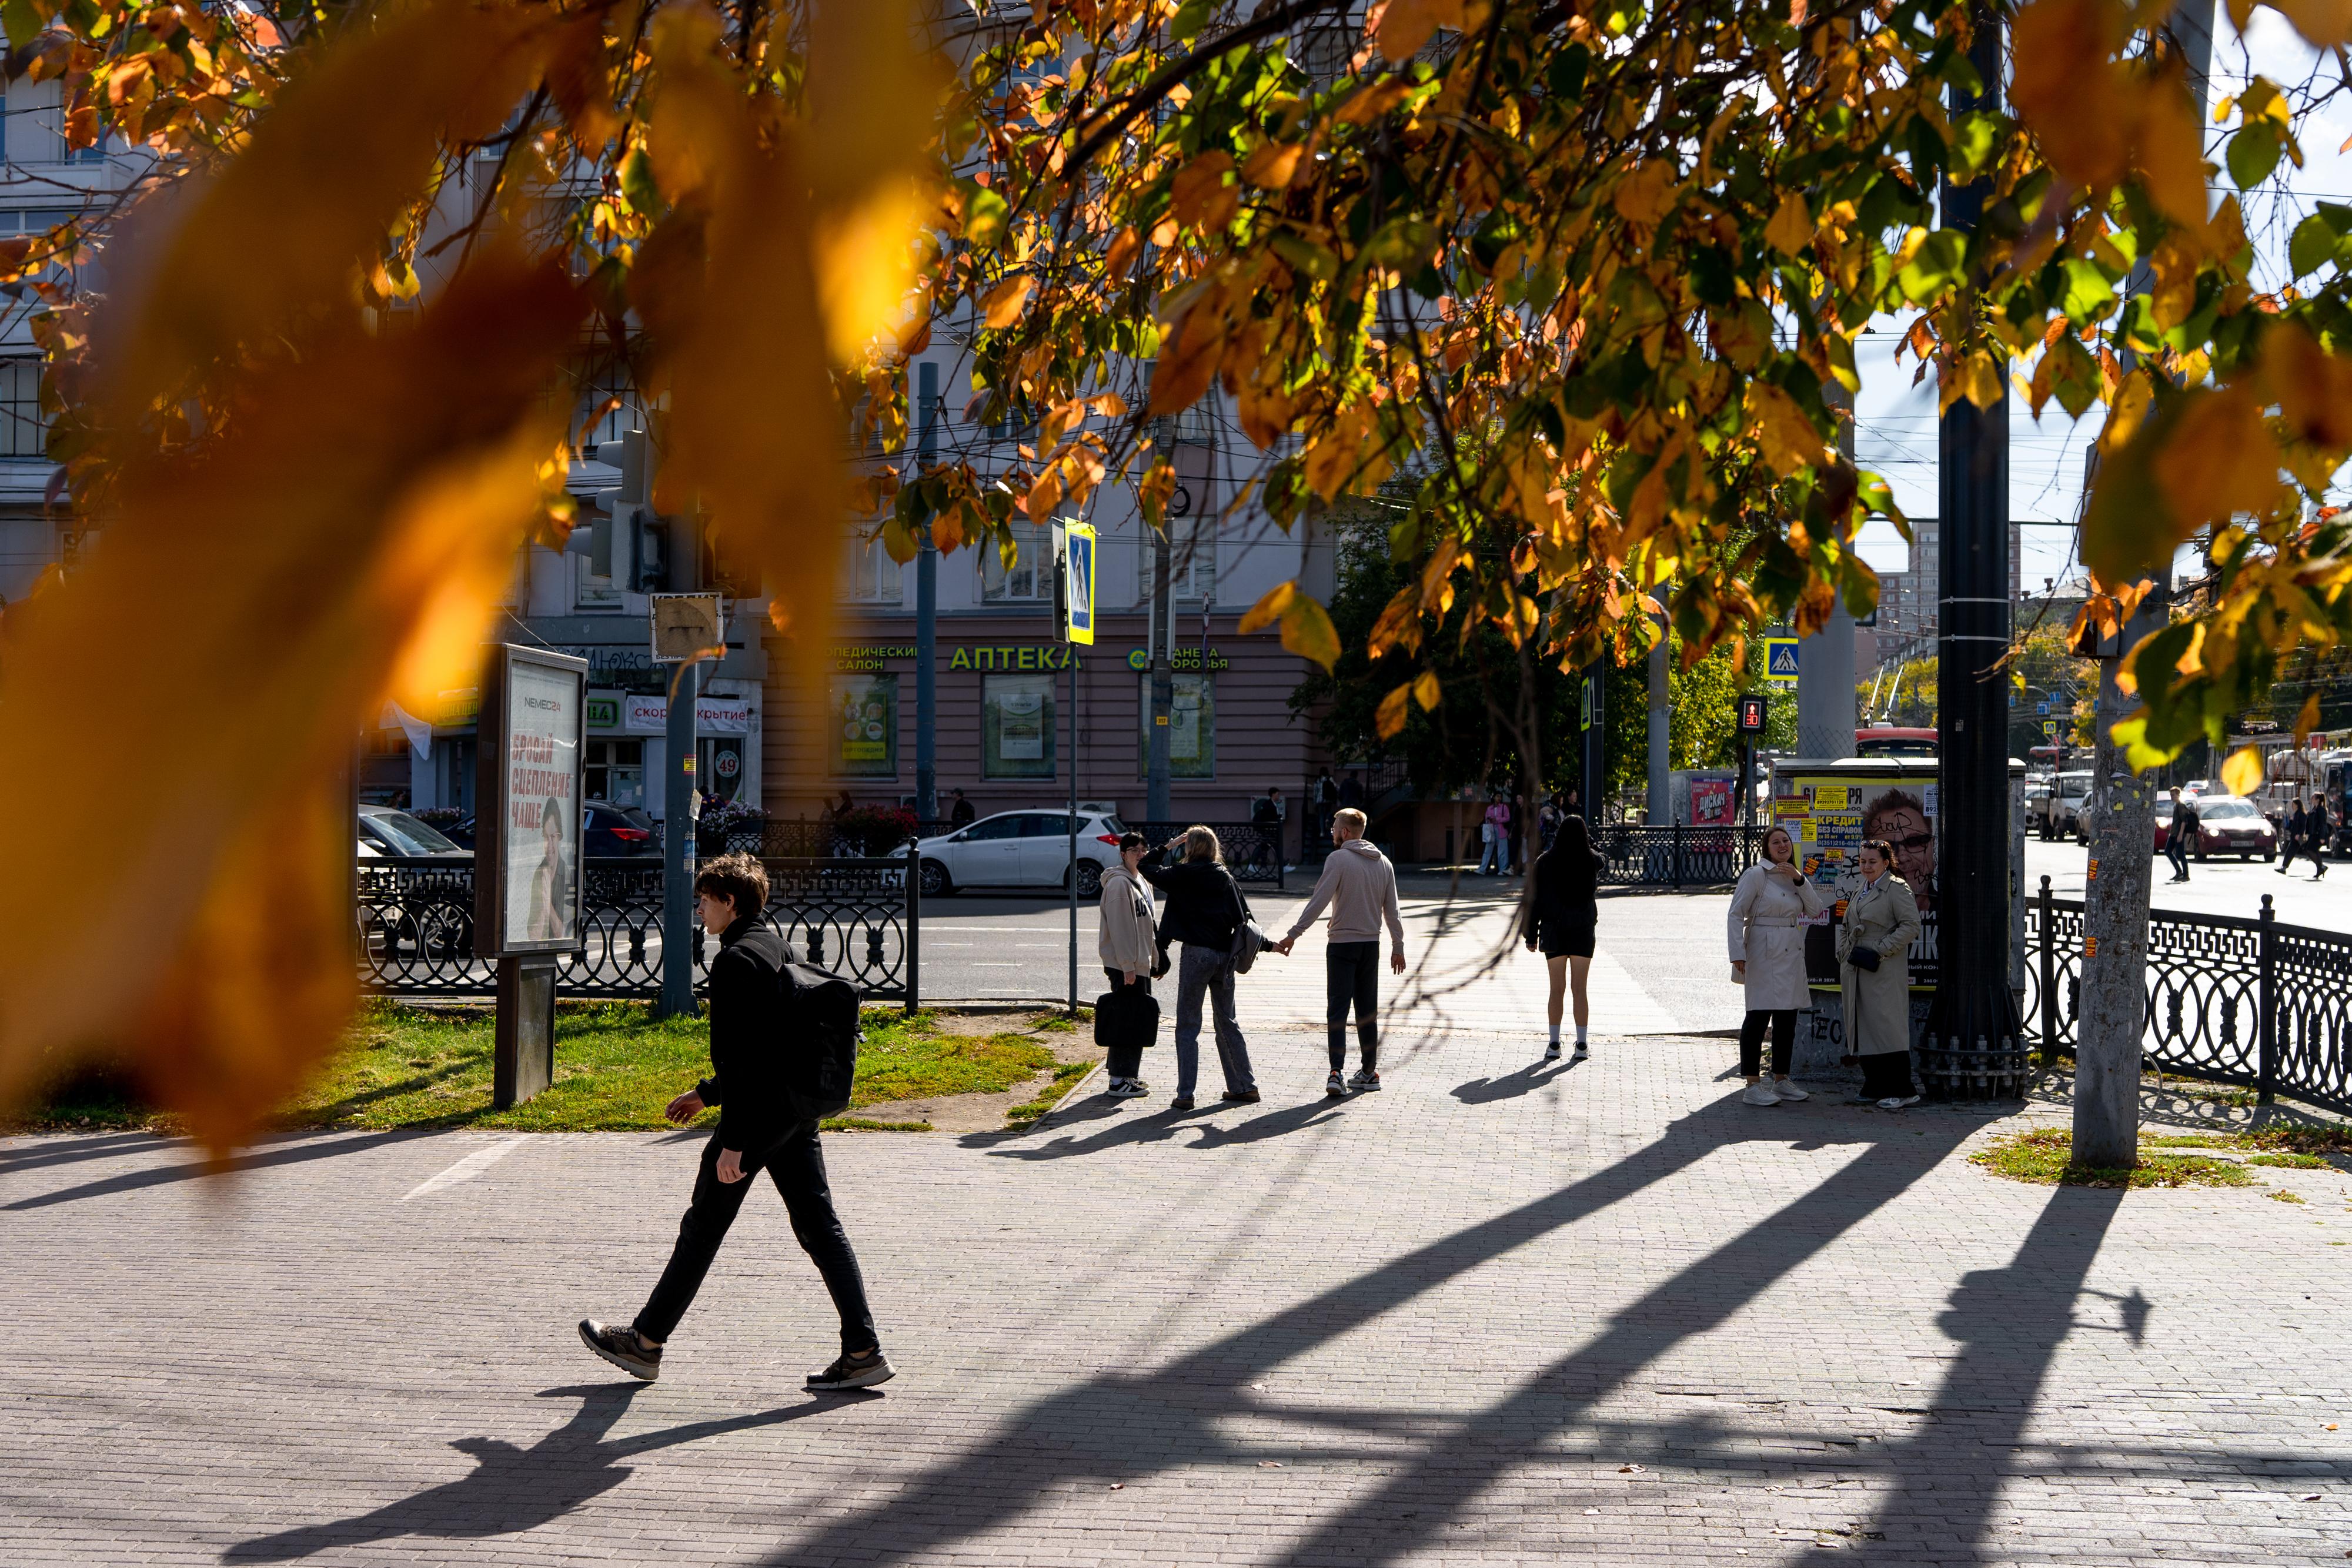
[{"x": 1563, "y": 909}]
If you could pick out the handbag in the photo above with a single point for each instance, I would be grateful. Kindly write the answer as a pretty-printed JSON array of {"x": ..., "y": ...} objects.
[
  {"x": 1128, "y": 1017},
  {"x": 1864, "y": 958}
]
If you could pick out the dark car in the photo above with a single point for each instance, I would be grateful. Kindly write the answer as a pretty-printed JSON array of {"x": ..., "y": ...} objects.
[{"x": 610, "y": 831}]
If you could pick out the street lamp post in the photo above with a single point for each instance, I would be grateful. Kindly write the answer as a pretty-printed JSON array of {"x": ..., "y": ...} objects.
[{"x": 1972, "y": 1046}]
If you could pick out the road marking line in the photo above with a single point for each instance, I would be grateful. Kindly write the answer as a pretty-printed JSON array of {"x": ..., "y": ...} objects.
[{"x": 466, "y": 1169}]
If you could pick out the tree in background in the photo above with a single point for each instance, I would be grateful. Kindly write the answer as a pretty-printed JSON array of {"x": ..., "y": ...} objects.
[{"x": 1904, "y": 697}]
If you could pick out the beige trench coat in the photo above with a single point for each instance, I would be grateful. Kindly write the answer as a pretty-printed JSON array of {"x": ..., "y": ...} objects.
[
  {"x": 1878, "y": 1003},
  {"x": 1768, "y": 935}
]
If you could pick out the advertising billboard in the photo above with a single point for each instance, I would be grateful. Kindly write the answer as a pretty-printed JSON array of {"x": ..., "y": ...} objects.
[
  {"x": 1829, "y": 813},
  {"x": 527, "y": 846}
]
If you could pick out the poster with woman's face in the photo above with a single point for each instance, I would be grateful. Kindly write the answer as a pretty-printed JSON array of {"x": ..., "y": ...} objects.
[
  {"x": 542, "y": 808},
  {"x": 1829, "y": 817}
]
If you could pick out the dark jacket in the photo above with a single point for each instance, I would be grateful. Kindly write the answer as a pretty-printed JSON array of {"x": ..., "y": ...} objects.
[
  {"x": 2184, "y": 821},
  {"x": 2298, "y": 826},
  {"x": 1567, "y": 894},
  {"x": 1205, "y": 905},
  {"x": 964, "y": 812},
  {"x": 2317, "y": 823},
  {"x": 746, "y": 1029}
]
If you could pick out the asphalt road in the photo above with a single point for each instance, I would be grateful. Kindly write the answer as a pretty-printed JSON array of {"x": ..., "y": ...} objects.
[{"x": 2214, "y": 886}]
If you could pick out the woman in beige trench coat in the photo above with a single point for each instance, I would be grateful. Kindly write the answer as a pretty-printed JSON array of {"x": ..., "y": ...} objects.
[
  {"x": 1881, "y": 923},
  {"x": 1767, "y": 929}
]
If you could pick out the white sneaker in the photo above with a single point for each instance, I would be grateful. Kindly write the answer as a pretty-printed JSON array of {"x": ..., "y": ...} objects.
[
  {"x": 1760, "y": 1093},
  {"x": 1127, "y": 1088},
  {"x": 1580, "y": 1053},
  {"x": 1897, "y": 1102},
  {"x": 1552, "y": 1053},
  {"x": 1788, "y": 1091}
]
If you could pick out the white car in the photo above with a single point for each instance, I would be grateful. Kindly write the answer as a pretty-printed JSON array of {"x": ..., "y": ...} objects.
[{"x": 1022, "y": 849}]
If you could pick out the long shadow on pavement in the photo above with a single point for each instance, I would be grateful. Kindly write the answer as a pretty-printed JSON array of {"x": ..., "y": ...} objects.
[
  {"x": 72, "y": 1148},
  {"x": 1120, "y": 1427},
  {"x": 319, "y": 1148},
  {"x": 1511, "y": 1085},
  {"x": 512, "y": 1489}
]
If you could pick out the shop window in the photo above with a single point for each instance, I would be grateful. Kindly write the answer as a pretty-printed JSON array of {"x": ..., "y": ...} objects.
[
  {"x": 868, "y": 575},
  {"x": 615, "y": 772},
  {"x": 1192, "y": 728},
  {"x": 1031, "y": 575},
  {"x": 720, "y": 772},
  {"x": 864, "y": 710},
  {"x": 1016, "y": 726}
]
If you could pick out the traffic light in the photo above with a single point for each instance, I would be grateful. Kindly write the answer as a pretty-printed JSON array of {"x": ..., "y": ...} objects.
[{"x": 1753, "y": 712}]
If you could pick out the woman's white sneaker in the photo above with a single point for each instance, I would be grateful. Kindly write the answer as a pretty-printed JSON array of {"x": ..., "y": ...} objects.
[
  {"x": 1760, "y": 1093},
  {"x": 1788, "y": 1091}
]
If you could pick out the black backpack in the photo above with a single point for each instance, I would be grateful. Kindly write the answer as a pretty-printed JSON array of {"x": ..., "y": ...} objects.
[{"x": 821, "y": 1048}]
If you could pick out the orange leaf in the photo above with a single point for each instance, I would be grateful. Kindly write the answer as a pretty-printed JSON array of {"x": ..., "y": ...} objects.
[
  {"x": 1202, "y": 195},
  {"x": 2217, "y": 458},
  {"x": 1784, "y": 436},
  {"x": 1792, "y": 228},
  {"x": 1125, "y": 247},
  {"x": 1389, "y": 718},
  {"x": 1188, "y": 358},
  {"x": 1270, "y": 608},
  {"x": 1425, "y": 690},
  {"x": 1271, "y": 166},
  {"x": 1002, "y": 306}
]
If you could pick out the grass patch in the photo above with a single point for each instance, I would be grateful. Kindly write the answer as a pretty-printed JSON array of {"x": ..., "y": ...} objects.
[
  {"x": 615, "y": 1068},
  {"x": 2046, "y": 1157},
  {"x": 2280, "y": 1195},
  {"x": 2300, "y": 1138},
  {"x": 2291, "y": 1162},
  {"x": 2188, "y": 1140},
  {"x": 1065, "y": 1077}
]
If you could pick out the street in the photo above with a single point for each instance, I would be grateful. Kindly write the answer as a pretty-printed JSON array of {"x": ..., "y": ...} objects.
[{"x": 2214, "y": 887}]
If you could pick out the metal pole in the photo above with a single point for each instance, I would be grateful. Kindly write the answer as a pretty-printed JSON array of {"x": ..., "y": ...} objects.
[
  {"x": 677, "y": 847},
  {"x": 2266, "y": 1037},
  {"x": 2049, "y": 979},
  {"x": 1163, "y": 679},
  {"x": 1660, "y": 796},
  {"x": 914, "y": 928},
  {"x": 1070, "y": 652},
  {"x": 1972, "y": 1045},
  {"x": 926, "y": 618}
]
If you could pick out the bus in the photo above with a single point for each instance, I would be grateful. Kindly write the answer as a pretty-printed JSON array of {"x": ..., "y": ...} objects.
[{"x": 1889, "y": 740}]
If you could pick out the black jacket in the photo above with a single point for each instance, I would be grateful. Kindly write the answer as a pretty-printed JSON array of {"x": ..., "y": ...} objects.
[
  {"x": 2184, "y": 818},
  {"x": 1567, "y": 894},
  {"x": 2317, "y": 823},
  {"x": 1205, "y": 905},
  {"x": 747, "y": 1029}
]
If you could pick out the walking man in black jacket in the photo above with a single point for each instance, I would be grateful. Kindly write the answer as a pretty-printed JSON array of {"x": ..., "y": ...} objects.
[
  {"x": 757, "y": 1127},
  {"x": 2179, "y": 836}
]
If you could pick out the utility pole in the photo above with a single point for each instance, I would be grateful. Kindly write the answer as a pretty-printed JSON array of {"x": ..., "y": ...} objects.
[
  {"x": 679, "y": 798},
  {"x": 1825, "y": 659},
  {"x": 926, "y": 613},
  {"x": 1972, "y": 1046},
  {"x": 1660, "y": 798}
]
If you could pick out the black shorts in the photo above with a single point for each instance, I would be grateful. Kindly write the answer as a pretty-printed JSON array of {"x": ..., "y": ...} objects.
[{"x": 1566, "y": 941}]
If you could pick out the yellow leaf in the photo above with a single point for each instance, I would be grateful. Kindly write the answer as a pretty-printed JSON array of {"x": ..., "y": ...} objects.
[
  {"x": 871, "y": 98},
  {"x": 1425, "y": 690},
  {"x": 1270, "y": 608},
  {"x": 2306, "y": 719},
  {"x": 2217, "y": 459},
  {"x": 1188, "y": 359},
  {"x": 1308, "y": 632},
  {"x": 2064, "y": 84},
  {"x": 1792, "y": 228},
  {"x": 1388, "y": 720},
  {"x": 2127, "y": 406},
  {"x": 2171, "y": 155},
  {"x": 1202, "y": 195},
  {"x": 1784, "y": 436},
  {"x": 1002, "y": 306},
  {"x": 2326, "y": 24},
  {"x": 2242, "y": 774},
  {"x": 1647, "y": 194},
  {"x": 1271, "y": 166}
]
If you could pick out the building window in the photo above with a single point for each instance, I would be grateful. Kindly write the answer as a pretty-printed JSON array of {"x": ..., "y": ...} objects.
[
  {"x": 865, "y": 727},
  {"x": 1016, "y": 726},
  {"x": 24, "y": 428},
  {"x": 592, "y": 590},
  {"x": 868, "y": 575},
  {"x": 1031, "y": 575},
  {"x": 1192, "y": 728},
  {"x": 1191, "y": 560},
  {"x": 615, "y": 772}
]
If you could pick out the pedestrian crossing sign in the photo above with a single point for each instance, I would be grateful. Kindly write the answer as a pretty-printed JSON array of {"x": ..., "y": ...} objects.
[
  {"x": 1077, "y": 608},
  {"x": 2049, "y": 728},
  {"x": 1780, "y": 660}
]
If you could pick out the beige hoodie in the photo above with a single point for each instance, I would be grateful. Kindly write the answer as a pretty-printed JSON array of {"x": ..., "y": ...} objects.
[
  {"x": 1125, "y": 940},
  {"x": 1359, "y": 885}
]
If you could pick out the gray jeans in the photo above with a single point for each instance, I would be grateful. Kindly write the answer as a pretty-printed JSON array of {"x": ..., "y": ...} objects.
[{"x": 1209, "y": 969}]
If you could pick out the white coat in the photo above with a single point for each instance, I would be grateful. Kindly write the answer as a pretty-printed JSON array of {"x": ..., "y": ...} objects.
[{"x": 1767, "y": 934}]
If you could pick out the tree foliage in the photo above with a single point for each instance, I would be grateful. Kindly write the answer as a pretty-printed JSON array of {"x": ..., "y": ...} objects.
[{"x": 1582, "y": 277}]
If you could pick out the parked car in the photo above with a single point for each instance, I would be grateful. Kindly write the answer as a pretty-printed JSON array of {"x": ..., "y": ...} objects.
[
  {"x": 2062, "y": 807},
  {"x": 1020, "y": 849},
  {"x": 2233, "y": 825},
  {"x": 385, "y": 831},
  {"x": 610, "y": 831}
]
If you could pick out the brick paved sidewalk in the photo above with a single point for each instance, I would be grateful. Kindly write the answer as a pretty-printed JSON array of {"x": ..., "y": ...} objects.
[{"x": 1501, "y": 1313}]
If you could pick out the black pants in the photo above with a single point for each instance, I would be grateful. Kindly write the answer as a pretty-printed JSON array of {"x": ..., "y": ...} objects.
[
  {"x": 1352, "y": 974},
  {"x": 797, "y": 1166},
  {"x": 1886, "y": 1075},
  {"x": 1126, "y": 1060},
  {"x": 1751, "y": 1041},
  {"x": 2176, "y": 850}
]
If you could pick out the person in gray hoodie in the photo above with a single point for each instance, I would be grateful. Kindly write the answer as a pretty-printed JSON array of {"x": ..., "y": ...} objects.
[
  {"x": 1359, "y": 885},
  {"x": 1130, "y": 951}
]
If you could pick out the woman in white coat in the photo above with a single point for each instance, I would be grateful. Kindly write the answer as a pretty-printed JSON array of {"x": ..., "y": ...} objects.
[{"x": 1767, "y": 929}]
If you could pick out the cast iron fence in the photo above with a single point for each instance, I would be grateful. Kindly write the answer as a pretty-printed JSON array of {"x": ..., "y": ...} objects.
[
  {"x": 1252, "y": 854},
  {"x": 858, "y": 916},
  {"x": 1673, "y": 856},
  {"x": 2230, "y": 999}
]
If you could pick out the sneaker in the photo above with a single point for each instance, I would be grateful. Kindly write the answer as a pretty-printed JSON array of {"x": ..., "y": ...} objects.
[
  {"x": 1788, "y": 1091},
  {"x": 1760, "y": 1093},
  {"x": 1241, "y": 1096},
  {"x": 1128, "y": 1088},
  {"x": 1335, "y": 1086},
  {"x": 1551, "y": 1051},
  {"x": 852, "y": 1372},
  {"x": 1181, "y": 1102},
  {"x": 623, "y": 1348},
  {"x": 1897, "y": 1102},
  {"x": 1580, "y": 1053},
  {"x": 1365, "y": 1080}
]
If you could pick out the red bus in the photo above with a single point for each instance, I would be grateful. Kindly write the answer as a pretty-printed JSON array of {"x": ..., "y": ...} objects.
[{"x": 1888, "y": 740}]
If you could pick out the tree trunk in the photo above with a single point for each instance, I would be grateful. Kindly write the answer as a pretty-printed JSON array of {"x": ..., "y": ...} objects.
[{"x": 2115, "y": 947}]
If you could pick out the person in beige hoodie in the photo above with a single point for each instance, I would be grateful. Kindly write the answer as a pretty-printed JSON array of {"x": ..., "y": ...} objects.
[
  {"x": 1130, "y": 951},
  {"x": 1359, "y": 885}
]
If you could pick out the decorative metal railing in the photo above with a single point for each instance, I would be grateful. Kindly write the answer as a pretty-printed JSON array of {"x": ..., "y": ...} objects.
[
  {"x": 1676, "y": 856},
  {"x": 2230, "y": 999},
  {"x": 1254, "y": 854},
  {"x": 859, "y": 917}
]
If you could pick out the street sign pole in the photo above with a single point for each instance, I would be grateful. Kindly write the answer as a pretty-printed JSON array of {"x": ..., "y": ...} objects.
[
  {"x": 1073, "y": 614},
  {"x": 687, "y": 630}
]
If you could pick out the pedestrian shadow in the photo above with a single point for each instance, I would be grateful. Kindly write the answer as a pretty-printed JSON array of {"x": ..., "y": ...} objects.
[
  {"x": 512, "y": 1489},
  {"x": 319, "y": 1146},
  {"x": 1122, "y": 1426},
  {"x": 1158, "y": 1126},
  {"x": 1272, "y": 1124},
  {"x": 78, "y": 1147},
  {"x": 1511, "y": 1085}
]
